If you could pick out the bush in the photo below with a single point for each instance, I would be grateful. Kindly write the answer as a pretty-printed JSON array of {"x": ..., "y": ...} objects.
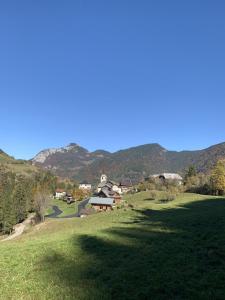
[
  {"x": 152, "y": 195},
  {"x": 168, "y": 197}
]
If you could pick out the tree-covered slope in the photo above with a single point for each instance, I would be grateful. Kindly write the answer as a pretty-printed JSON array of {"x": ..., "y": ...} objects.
[{"x": 134, "y": 163}]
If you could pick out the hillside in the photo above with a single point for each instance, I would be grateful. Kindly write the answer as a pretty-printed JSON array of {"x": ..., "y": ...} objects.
[
  {"x": 18, "y": 166},
  {"x": 153, "y": 251},
  {"x": 134, "y": 163}
]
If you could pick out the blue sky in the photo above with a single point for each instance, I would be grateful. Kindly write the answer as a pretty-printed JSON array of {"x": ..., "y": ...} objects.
[{"x": 111, "y": 74}]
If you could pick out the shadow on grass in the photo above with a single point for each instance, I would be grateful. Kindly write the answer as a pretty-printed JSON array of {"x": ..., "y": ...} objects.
[
  {"x": 149, "y": 199},
  {"x": 166, "y": 254}
]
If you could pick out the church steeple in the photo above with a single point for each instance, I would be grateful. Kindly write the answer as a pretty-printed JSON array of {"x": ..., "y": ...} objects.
[{"x": 104, "y": 178}]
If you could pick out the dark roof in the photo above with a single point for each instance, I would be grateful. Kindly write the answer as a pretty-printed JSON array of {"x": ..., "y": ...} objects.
[
  {"x": 107, "y": 192},
  {"x": 105, "y": 184},
  {"x": 60, "y": 191},
  {"x": 84, "y": 182},
  {"x": 127, "y": 183}
]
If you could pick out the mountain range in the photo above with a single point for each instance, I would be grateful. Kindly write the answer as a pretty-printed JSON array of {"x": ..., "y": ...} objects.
[{"x": 74, "y": 161}]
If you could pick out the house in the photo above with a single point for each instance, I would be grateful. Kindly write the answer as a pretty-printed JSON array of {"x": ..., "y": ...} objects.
[
  {"x": 125, "y": 186},
  {"x": 60, "y": 194},
  {"x": 169, "y": 176},
  {"x": 69, "y": 198},
  {"x": 109, "y": 189},
  {"x": 109, "y": 193},
  {"x": 112, "y": 185},
  {"x": 101, "y": 204},
  {"x": 85, "y": 186}
]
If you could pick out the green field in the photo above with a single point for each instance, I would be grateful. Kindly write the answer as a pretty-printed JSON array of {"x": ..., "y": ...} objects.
[
  {"x": 67, "y": 209},
  {"x": 153, "y": 251}
]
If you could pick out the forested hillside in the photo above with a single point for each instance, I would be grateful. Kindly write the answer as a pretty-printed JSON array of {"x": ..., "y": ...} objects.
[
  {"x": 138, "y": 162},
  {"x": 20, "y": 184},
  {"x": 135, "y": 163}
]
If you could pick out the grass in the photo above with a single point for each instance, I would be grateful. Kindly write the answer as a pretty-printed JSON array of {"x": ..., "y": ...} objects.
[
  {"x": 16, "y": 166},
  {"x": 67, "y": 209},
  {"x": 153, "y": 251}
]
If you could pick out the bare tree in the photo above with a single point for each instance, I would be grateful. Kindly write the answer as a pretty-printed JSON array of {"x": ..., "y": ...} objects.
[{"x": 41, "y": 202}]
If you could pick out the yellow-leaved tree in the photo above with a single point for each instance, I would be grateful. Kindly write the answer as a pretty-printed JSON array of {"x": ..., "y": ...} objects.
[{"x": 218, "y": 178}]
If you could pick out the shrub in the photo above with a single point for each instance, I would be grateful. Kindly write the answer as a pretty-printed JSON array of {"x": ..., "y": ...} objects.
[
  {"x": 152, "y": 195},
  {"x": 167, "y": 197},
  {"x": 170, "y": 197}
]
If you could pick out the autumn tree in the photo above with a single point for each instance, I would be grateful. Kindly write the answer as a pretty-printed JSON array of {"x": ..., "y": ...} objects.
[
  {"x": 79, "y": 194},
  {"x": 217, "y": 178},
  {"x": 41, "y": 202}
]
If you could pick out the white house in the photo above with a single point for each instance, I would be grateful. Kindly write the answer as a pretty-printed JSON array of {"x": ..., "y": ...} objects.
[
  {"x": 59, "y": 194},
  {"x": 169, "y": 176},
  {"x": 85, "y": 186}
]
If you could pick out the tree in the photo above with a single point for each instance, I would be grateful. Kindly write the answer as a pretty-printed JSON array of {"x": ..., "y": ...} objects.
[
  {"x": 41, "y": 202},
  {"x": 191, "y": 172},
  {"x": 217, "y": 178},
  {"x": 79, "y": 194},
  {"x": 20, "y": 195}
]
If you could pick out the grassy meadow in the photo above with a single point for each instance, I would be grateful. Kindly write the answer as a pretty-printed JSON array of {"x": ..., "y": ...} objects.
[
  {"x": 174, "y": 250},
  {"x": 67, "y": 209}
]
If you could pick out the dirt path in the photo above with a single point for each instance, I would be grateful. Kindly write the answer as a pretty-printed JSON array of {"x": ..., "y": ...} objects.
[{"x": 19, "y": 229}]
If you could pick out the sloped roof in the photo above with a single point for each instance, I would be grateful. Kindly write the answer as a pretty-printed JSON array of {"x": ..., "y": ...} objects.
[
  {"x": 84, "y": 182},
  {"x": 108, "y": 192},
  {"x": 126, "y": 183},
  {"x": 103, "y": 184},
  {"x": 173, "y": 176},
  {"x": 60, "y": 191},
  {"x": 101, "y": 201}
]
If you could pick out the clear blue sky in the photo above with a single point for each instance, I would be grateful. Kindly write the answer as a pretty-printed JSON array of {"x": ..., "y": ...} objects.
[{"x": 111, "y": 74}]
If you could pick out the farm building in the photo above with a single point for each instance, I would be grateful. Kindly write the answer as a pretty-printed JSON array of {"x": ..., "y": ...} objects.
[
  {"x": 169, "y": 176},
  {"x": 101, "y": 204}
]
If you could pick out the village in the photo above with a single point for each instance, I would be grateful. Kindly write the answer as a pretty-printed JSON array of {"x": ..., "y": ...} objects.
[{"x": 108, "y": 194}]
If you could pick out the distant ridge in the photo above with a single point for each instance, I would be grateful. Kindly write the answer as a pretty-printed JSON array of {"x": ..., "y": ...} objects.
[{"x": 135, "y": 163}]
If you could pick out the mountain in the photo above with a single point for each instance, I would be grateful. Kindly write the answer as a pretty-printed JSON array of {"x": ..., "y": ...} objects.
[
  {"x": 76, "y": 162},
  {"x": 67, "y": 161}
]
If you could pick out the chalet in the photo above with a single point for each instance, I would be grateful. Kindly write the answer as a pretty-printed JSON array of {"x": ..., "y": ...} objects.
[
  {"x": 101, "y": 204},
  {"x": 85, "y": 186},
  {"x": 60, "y": 194},
  {"x": 107, "y": 193},
  {"x": 112, "y": 185},
  {"x": 125, "y": 186},
  {"x": 169, "y": 176}
]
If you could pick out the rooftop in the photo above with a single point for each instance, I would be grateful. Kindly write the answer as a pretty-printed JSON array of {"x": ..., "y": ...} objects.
[
  {"x": 101, "y": 201},
  {"x": 169, "y": 176},
  {"x": 85, "y": 182}
]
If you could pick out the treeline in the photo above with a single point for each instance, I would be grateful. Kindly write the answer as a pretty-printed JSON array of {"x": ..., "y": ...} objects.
[
  {"x": 20, "y": 195},
  {"x": 212, "y": 183}
]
